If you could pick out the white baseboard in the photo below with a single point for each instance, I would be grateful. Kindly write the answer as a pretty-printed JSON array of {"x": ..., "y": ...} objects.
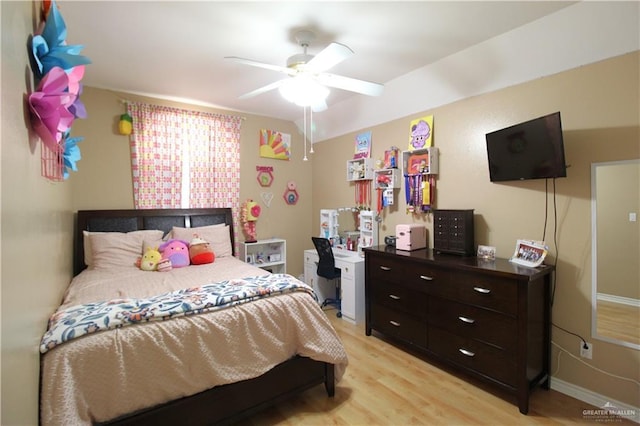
[
  {"x": 594, "y": 399},
  {"x": 618, "y": 299}
]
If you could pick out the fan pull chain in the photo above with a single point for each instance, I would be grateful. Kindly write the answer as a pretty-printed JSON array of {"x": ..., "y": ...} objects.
[
  {"x": 304, "y": 125},
  {"x": 311, "y": 129}
]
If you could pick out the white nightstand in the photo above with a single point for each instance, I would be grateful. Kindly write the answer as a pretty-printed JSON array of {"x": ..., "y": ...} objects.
[{"x": 270, "y": 255}]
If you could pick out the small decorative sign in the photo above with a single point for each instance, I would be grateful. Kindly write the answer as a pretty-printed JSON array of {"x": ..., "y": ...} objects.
[
  {"x": 265, "y": 175},
  {"x": 291, "y": 194}
]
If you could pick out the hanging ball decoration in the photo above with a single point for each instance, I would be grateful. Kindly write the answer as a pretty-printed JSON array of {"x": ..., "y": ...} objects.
[{"x": 125, "y": 126}]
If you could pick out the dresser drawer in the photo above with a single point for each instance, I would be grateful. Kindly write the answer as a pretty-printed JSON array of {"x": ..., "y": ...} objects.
[
  {"x": 400, "y": 298},
  {"x": 474, "y": 323},
  {"x": 480, "y": 357},
  {"x": 416, "y": 276},
  {"x": 387, "y": 269},
  {"x": 426, "y": 276},
  {"x": 499, "y": 294},
  {"x": 348, "y": 271},
  {"x": 399, "y": 324}
]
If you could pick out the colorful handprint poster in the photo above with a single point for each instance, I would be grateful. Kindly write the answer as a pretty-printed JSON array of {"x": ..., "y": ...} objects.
[
  {"x": 274, "y": 144},
  {"x": 421, "y": 134}
]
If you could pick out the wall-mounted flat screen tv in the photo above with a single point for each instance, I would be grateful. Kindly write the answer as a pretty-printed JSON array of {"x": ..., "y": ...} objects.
[{"x": 530, "y": 150}]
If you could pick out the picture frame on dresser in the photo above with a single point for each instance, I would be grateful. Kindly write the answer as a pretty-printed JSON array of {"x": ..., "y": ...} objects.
[
  {"x": 529, "y": 253},
  {"x": 486, "y": 252}
]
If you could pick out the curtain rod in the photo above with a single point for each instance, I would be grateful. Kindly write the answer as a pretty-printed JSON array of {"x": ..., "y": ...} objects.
[{"x": 127, "y": 101}]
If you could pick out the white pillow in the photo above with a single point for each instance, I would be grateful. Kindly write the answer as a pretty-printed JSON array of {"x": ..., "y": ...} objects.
[
  {"x": 216, "y": 235},
  {"x": 107, "y": 249}
]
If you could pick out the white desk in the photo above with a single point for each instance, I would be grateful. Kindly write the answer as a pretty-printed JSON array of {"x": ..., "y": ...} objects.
[{"x": 351, "y": 265}]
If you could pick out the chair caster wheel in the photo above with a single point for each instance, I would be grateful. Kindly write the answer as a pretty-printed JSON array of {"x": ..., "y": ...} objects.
[{"x": 339, "y": 314}]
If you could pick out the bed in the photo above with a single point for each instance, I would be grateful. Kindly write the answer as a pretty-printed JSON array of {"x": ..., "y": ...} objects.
[{"x": 129, "y": 346}]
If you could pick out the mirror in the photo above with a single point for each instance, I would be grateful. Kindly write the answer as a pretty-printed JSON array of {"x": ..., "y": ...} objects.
[{"x": 615, "y": 206}]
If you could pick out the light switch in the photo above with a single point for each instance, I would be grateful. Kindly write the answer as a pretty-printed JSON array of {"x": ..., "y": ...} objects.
[{"x": 632, "y": 217}]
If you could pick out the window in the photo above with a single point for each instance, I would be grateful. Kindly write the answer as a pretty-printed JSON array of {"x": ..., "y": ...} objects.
[{"x": 184, "y": 159}]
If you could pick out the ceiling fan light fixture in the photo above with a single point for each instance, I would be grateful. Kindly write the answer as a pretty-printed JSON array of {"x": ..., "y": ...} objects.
[
  {"x": 297, "y": 62},
  {"x": 303, "y": 91}
]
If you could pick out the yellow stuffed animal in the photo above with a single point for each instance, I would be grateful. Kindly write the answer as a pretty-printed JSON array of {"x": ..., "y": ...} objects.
[{"x": 150, "y": 259}]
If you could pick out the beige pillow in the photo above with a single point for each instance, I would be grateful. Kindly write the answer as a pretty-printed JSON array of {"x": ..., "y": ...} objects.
[
  {"x": 216, "y": 235},
  {"x": 109, "y": 249},
  {"x": 152, "y": 243},
  {"x": 88, "y": 253}
]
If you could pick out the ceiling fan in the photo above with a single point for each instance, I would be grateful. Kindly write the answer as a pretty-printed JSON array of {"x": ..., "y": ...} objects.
[{"x": 307, "y": 72}]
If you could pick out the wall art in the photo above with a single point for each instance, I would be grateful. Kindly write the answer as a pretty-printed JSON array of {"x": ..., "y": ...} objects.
[
  {"x": 274, "y": 144},
  {"x": 421, "y": 133}
]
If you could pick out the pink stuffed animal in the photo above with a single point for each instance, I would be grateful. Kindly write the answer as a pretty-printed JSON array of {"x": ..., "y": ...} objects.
[{"x": 177, "y": 251}]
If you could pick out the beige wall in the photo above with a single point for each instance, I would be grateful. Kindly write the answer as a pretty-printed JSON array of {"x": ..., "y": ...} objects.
[
  {"x": 599, "y": 104},
  {"x": 36, "y": 228},
  {"x": 103, "y": 179}
]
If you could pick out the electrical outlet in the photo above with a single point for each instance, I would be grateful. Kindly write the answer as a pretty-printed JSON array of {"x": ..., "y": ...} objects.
[{"x": 586, "y": 350}]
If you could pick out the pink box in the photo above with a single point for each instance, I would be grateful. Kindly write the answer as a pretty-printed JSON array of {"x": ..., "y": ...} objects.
[{"x": 411, "y": 236}]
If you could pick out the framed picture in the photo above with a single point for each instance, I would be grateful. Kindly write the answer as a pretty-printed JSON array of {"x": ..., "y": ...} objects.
[
  {"x": 486, "y": 252},
  {"x": 363, "y": 145},
  {"x": 250, "y": 258},
  {"x": 529, "y": 253}
]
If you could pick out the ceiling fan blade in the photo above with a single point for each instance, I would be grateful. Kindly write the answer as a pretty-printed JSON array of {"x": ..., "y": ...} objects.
[
  {"x": 329, "y": 57},
  {"x": 263, "y": 89},
  {"x": 351, "y": 84},
  {"x": 253, "y": 63}
]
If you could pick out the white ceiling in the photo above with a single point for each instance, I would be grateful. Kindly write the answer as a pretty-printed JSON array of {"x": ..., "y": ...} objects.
[{"x": 175, "y": 49}]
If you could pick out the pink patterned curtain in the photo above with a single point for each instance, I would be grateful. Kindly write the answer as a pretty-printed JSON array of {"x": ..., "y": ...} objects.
[
  {"x": 156, "y": 156},
  {"x": 166, "y": 142}
]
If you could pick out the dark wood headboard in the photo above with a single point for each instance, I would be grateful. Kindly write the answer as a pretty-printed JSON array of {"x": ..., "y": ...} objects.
[{"x": 134, "y": 220}]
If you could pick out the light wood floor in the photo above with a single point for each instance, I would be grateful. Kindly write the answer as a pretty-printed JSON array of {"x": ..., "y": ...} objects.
[
  {"x": 619, "y": 321},
  {"x": 384, "y": 385}
]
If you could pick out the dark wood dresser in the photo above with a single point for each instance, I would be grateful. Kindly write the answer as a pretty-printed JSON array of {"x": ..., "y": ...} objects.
[{"x": 489, "y": 319}]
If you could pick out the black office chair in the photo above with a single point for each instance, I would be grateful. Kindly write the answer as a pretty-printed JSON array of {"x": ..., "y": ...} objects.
[{"x": 327, "y": 269}]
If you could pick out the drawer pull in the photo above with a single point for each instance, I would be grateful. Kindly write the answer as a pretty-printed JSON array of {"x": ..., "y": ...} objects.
[
  {"x": 467, "y": 320},
  {"x": 394, "y": 323},
  {"x": 385, "y": 268},
  {"x": 466, "y": 352},
  {"x": 394, "y": 297},
  {"x": 426, "y": 278},
  {"x": 482, "y": 290}
]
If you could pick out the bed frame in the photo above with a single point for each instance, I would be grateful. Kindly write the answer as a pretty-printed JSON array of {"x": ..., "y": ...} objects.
[{"x": 223, "y": 404}]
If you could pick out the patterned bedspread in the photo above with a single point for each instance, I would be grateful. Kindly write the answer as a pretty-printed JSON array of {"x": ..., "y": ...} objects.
[
  {"x": 77, "y": 321},
  {"x": 130, "y": 356}
]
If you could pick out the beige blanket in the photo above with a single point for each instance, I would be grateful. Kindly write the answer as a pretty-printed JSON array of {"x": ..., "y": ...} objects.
[{"x": 107, "y": 374}]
